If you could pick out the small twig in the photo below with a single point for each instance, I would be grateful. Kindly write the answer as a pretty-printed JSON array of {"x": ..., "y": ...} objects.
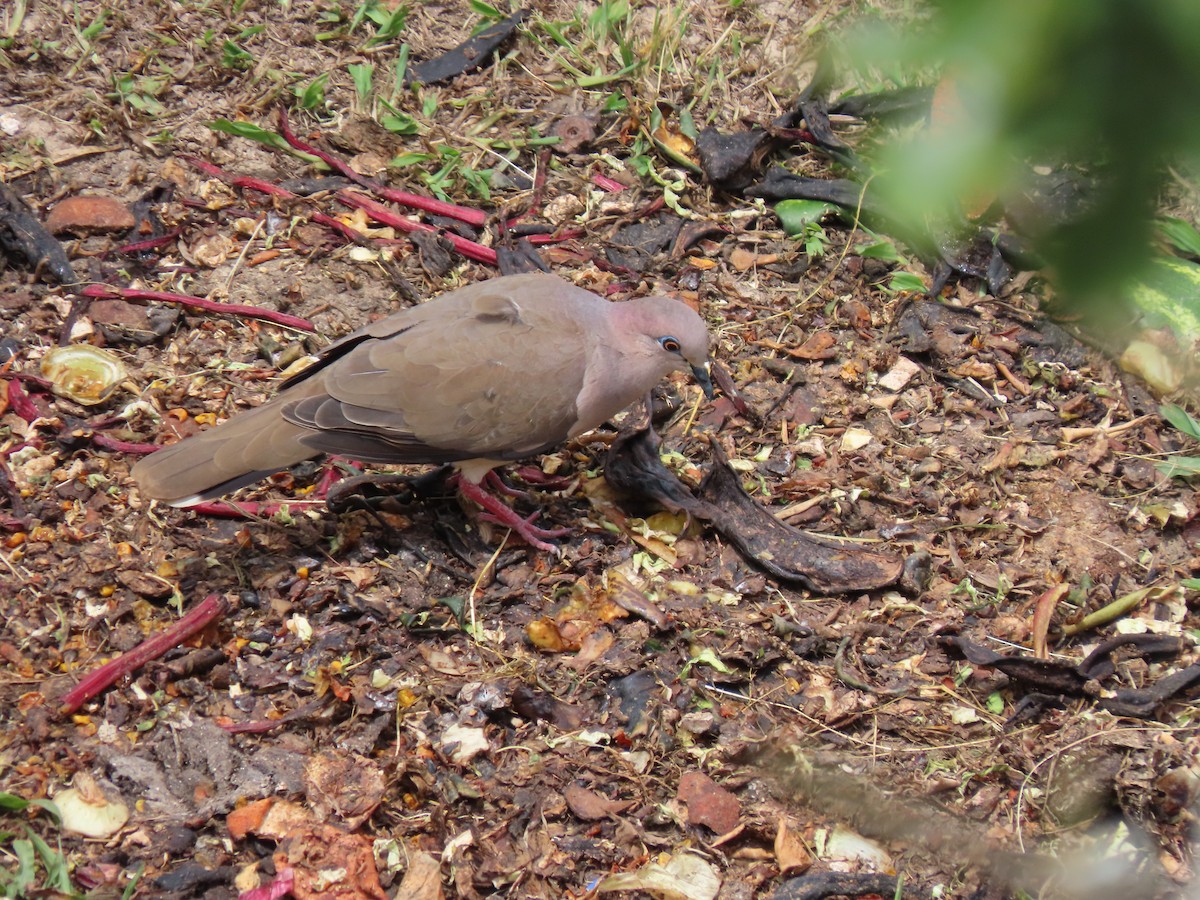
[
  {"x": 199, "y": 617},
  {"x": 1019, "y": 385},
  {"x": 844, "y": 673},
  {"x": 78, "y": 305},
  {"x": 428, "y": 204},
  {"x": 539, "y": 181},
  {"x": 1073, "y": 434},
  {"x": 801, "y": 506},
  {"x": 263, "y": 726},
  {"x": 237, "y": 263},
  {"x": 489, "y": 566},
  {"x": 228, "y": 309},
  {"x": 695, "y": 411}
]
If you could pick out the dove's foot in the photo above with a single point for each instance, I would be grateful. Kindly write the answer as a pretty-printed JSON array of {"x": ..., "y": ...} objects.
[{"x": 496, "y": 510}]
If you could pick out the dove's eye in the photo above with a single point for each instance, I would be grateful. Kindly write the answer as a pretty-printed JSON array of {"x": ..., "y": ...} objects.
[{"x": 670, "y": 344}]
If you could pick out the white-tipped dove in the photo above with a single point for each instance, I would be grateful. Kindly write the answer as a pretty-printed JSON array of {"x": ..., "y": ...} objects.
[{"x": 483, "y": 375}]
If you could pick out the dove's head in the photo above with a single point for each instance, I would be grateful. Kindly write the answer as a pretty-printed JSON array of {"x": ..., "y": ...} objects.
[{"x": 670, "y": 334}]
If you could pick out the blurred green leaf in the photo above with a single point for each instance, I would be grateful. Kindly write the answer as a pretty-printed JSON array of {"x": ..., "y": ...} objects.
[
  {"x": 1180, "y": 467},
  {"x": 25, "y": 874},
  {"x": 881, "y": 249},
  {"x": 687, "y": 125},
  {"x": 1179, "y": 417},
  {"x": 14, "y": 803},
  {"x": 486, "y": 10},
  {"x": 410, "y": 159},
  {"x": 1055, "y": 84},
  {"x": 906, "y": 281},
  {"x": 615, "y": 102},
  {"x": 389, "y": 22},
  {"x": 250, "y": 131},
  {"x": 1180, "y": 233},
  {"x": 362, "y": 74},
  {"x": 97, "y": 26},
  {"x": 401, "y": 69},
  {"x": 399, "y": 123},
  {"x": 58, "y": 872},
  {"x": 705, "y": 657},
  {"x": 257, "y": 133},
  {"x": 457, "y": 605},
  {"x": 1169, "y": 294},
  {"x": 312, "y": 95},
  {"x": 797, "y": 215},
  {"x": 234, "y": 57}
]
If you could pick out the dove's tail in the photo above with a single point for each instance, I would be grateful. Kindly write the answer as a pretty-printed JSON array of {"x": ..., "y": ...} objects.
[{"x": 246, "y": 448}]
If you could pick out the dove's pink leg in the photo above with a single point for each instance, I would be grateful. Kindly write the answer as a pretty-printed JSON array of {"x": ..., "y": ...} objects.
[{"x": 502, "y": 514}]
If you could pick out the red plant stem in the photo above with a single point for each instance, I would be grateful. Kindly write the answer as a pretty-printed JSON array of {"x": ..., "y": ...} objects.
[
  {"x": 607, "y": 184},
  {"x": 258, "y": 185},
  {"x": 229, "y": 309},
  {"x": 6, "y": 453},
  {"x": 332, "y": 475},
  {"x": 111, "y": 443},
  {"x": 42, "y": 384},
  {"x": 650, "y": 208},
  {"x": 249, "y": 509},
  {"x": 340, "y": 227},
  {"x": 20, "y": 403},
  {"x": 476, "y": 217},
  {"x": 470, "y": 249},
  {"x": 8, "y": 523},
  {"x": 381, "y": 213},
  {"x": 245, "y": 509},
  {"x": 350, "y": 234},
  {"x": 208, "y": 610},
  {"x": 234, "y": 509},
  {"x": 281, "y": 886},
  {"x": 260, "y": 727},
  {"x": 428, "y": 204},
  {"x": 254, "y": 184},
  {"x": 151, "y": 243},
  {"x": 556, "y": 237},
  {"x": 539, "y": 181}
]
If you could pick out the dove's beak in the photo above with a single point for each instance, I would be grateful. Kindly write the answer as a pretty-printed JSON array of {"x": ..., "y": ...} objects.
[{"x": 704, "y": 378}]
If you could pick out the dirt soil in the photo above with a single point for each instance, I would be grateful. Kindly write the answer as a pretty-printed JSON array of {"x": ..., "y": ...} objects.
[{"x": 400, "y": 703}]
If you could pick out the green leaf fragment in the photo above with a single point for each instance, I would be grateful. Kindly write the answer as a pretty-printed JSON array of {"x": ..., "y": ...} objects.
[{"x": 797, "y": 215}]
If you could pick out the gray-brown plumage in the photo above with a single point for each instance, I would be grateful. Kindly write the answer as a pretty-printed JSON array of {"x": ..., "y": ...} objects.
[{"x": 496, "y": 371}]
